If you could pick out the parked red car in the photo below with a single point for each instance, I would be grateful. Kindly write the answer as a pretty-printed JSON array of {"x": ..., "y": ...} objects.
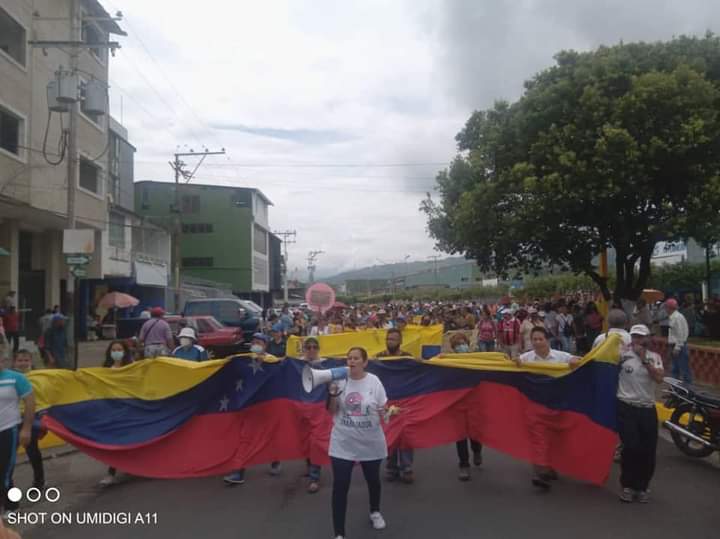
[{"x": 220, "y": 341}]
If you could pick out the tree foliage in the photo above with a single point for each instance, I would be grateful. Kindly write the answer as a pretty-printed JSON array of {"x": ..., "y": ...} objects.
[{"x": 614, "y": 148}]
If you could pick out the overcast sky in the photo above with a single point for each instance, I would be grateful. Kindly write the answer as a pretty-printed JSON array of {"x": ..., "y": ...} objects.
[{"x": 380, "y": 86}]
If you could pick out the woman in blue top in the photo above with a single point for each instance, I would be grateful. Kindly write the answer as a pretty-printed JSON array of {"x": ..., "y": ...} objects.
[
  {"x": 14, "y": 387},
  {"x": 188, "y": 349}
]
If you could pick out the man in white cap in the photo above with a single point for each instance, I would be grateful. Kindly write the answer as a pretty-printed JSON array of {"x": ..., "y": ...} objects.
[
  {"x": 640, "y": 373},
  {"x": 189, "y": 349}
]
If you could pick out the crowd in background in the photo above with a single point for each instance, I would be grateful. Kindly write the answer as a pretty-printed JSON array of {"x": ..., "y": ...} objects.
[{"x": 572, "y": 322}]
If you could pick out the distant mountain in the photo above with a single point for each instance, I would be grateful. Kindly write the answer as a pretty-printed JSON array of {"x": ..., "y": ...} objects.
[{"x": 385, "y": 271}]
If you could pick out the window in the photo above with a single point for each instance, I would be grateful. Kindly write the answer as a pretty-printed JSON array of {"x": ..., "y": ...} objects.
[
  {"x": 89, "y": 176},
  {"x": 190, "y": 203},
  {"x": 9, "y": 131},
  {"x": 145, "y": 203},
  {"x": 204, "y": 326},
  {"x": 92, "y": 116},
  {"x": 12, "y": 38},
  {"x": 260, "y": 271},
  {"x": 197, "y": 228},
  {"x": 92, "y": 35},
  {"x": 114, "y": 161},
  {"x": 228, "y": 311},
  {"x": 197, "y": 262},
  {"x": 260, "y": 240},
  {"x": 117, "y": 229}
]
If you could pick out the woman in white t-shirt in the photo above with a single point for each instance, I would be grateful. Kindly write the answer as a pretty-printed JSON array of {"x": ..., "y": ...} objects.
[{"x": 357, "y": 436}]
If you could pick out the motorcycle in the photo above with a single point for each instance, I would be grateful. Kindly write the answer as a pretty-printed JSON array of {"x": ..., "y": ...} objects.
[{"x": 695, "y": 421}]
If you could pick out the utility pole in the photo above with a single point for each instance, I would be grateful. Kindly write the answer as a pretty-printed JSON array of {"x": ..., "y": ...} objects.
[
  {"x": 178, "y": 167},
  {"x": 288, "y": 236},
  {"x": 72, "y": 46},
  {"x": 312, "y": 256},
  {"x": 435, "y": 258},
  {"x": 74, "y": 322}
]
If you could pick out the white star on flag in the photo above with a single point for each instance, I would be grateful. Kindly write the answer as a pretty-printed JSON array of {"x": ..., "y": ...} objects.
[
  {"x": 256, "y": 366},
  {"x": 224, "y": 404},
  {"x": 239, "y": 385}
]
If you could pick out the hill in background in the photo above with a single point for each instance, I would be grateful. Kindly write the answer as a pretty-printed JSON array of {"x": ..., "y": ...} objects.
[{"x": 385, "y": 271}]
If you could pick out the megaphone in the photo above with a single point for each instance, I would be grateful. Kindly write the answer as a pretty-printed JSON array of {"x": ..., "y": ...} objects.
[{"x": 311, "y": 378}]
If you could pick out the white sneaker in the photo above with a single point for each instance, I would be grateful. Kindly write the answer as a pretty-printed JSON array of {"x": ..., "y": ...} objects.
[
  {"x": 108, "y": 480},
  {"x": 377, "y": 520}
]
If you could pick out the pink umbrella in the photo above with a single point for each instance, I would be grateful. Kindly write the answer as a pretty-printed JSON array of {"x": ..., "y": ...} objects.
[{"x": 117, "y": 300}]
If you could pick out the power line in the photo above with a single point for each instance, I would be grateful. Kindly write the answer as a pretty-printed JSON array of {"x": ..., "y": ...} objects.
[
  {"x": 320, "y": 165},
  {"x": 173, "y": 86}
]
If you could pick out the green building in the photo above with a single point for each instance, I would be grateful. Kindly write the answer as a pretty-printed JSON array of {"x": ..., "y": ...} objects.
[{"x": 225, "y": 237}]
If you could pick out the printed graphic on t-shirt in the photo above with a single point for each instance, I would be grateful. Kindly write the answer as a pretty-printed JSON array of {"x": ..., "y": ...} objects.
[{"x": 356, "y": 415}]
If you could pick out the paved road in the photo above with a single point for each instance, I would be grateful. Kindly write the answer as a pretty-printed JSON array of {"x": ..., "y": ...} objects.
[{"x": 499, "y": 502}]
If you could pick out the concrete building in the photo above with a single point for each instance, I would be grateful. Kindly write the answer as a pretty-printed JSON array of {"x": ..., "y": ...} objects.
[
  {"x": 34, "y": 154},
  {"x": 33, "y": 177},
  {"x": 225, "y": 235}
]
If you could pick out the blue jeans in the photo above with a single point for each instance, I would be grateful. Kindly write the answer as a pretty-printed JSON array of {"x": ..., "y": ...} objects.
[
  {"x": 313, "y": 470},
  {"x": 400, "y": 460},
  {"x": 566, "y": 343},
  {"x": 486, "y": 346},
  {"x": 681, "y": 364}
]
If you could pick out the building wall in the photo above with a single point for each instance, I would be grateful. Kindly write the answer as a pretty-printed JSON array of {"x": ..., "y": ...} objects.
[
  {"x": 229, "y": 245},
  {"x": 458, "y": 276},
  {"x": 24, "y": 92}
]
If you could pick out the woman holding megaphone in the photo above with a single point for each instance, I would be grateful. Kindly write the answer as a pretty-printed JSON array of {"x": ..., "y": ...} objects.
[{"x": 357, "y": 405}]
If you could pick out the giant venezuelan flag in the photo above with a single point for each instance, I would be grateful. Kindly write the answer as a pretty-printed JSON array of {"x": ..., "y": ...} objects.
[{"x": 170, "y": 418}]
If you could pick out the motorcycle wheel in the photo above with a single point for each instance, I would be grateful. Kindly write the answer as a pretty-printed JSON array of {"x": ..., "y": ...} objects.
[{"x": 700, "y": 426}]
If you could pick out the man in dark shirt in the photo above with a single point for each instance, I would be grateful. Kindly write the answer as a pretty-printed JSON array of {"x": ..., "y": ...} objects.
[
  {"x": 278, "y": 344},
  {"x": 400, "y": 461},
  {"x": 393, "y": 340}
]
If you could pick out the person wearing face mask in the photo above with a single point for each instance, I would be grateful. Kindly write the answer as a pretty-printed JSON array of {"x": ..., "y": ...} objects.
[
  {"x": 461, "y": 345},
  {"x": 258, "y": 345},
  {"x": 188, "y": 348},
  {"x": 117, "y": 355}
]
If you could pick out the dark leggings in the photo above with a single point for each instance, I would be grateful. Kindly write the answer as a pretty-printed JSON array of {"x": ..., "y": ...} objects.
[
  {"x": 342, "y": 473},
  {"x": 35, "y": 457},
  {"x": 8, "y": 447},
  {"x": 463, "y": 453}
]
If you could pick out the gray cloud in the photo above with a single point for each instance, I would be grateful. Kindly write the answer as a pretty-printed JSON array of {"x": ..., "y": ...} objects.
[
  {"x": 319, "y": 81},
  {"x": 487, "y": 49},
  {"x": 303, "y": 136}
]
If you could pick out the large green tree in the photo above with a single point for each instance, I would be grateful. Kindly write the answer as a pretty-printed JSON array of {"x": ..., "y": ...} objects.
[{"x": 614, "y": 148}]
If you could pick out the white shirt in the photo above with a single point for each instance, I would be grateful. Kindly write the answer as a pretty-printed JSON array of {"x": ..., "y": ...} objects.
[
  {"x": 316, "y": 331},
  {"x": 624, "y": 335},
  {"x": 555, "y": 356},
  {"x": 635, "y": 385},
  {"x": 678, "y": 329},
  {"x": 357, "y": 434}
]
